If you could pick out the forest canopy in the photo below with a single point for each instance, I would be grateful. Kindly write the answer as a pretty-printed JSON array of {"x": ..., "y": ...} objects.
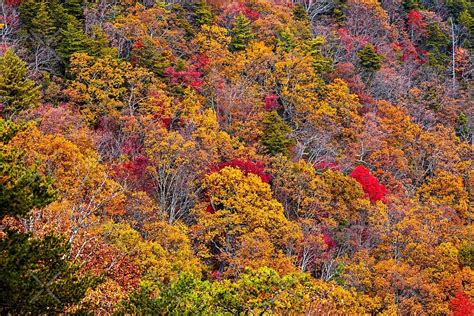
[{"x": 237, "y": 157}]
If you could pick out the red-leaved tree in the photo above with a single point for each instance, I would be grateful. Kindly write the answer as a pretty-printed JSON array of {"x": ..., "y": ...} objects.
[
  {"x": 324, "y": 165},
  {"x": 13, "y": 3},
  {"x": 246, "y": 166},
  {"x": 271, "y": 102},
  {"x": 133, "y": 172},
  {"x": 416, "y": 23},
  {"x": 461, "y": 305},
  {"x": 371, "y": 186}
]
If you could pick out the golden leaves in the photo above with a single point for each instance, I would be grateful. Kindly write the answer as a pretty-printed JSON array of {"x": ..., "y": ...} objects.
[{"x": 243, "y": 207}]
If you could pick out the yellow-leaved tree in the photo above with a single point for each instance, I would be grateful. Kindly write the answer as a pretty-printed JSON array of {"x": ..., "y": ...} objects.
[{"x": 242, "y": 225}]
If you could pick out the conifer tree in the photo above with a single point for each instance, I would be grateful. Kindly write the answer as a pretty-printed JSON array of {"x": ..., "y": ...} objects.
[
  {"x": 300, "y": 13},
  {"x": 286, "y": 41},
  {"x": 74, "y": 40},
  {"x": 27, "y": 10},
  {"x": 437, "y": 43},
  {"x": 466, "y": 20},
  {"x": 466, "y": 255},
  {"x": 275, "y": 134},
  {"x": 22, "y": 188},
  {"x": 320, "y": 63},
  {"x": 369, "y": 59},
  {"x": 241, "y": 33},
  {"x": 42, "y": 25},
  {"x": 36, "y": 275},
  {"x": 59, "y": 14},
  {"x": 17, "y": 92},
  {"x": 204, "y": 13},
  {"x": 74, "y": 8},
  {"x": 409, "y": 5}
]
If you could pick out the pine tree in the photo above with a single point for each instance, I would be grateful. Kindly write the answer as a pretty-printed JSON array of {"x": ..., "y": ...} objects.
[
  {"x": 466, "y": 255},
  {"x": 146, "y": 55},
  {"x": 286, "y": 41},
  {"x": 204, "y": 13},
  {"x": 241, "y": 33},
  {"x": 22, "y": 188},
  {"x": 437, "y": 39},
  {"x": 17, "y": 92},
  {"x": 27, "y": 10},
  {"x": 409, "y": 5},
  {"x": 36, "y": 276},
  {"x": 455, "y": 7},
  {"x": 465, "y": 128},
  {"x": 300, "y": 14},
  {"x": 466, "y": 20},
  {"x": 437, "y": 43},
  {"x": 275, "y": 134},
  {"x": 369, "y": 59},
  {"x": 320, "y": 63},
  {"x": 42, "y": 25},
  {"x": 8, "y": 130},
  {"x": 74, "y": 40},
  {"x": 59, "y": 14},
  {"x": 74, "y": 8}
]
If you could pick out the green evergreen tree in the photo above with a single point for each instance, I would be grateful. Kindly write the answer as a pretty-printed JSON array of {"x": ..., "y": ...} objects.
[
  {"x": 466, "y": 20},
  {"x": 437, "y": 44},
  {"x": 22, "y": 188},
  {"x": 36, "y": 278},
  {"x": 338, "y": 12},
  {"x": 436, "y": 38},
  {"x": 60, "y": 17},
  {"x": 35, "y": 275},
  {"x": 42, "y": 24},
  {"x": 17, "y": 92},
  {"x": 182, "y": 18},
  {"x": 74, "y": 40},
  {"x": 27, "y": 10},
  {"x": 455, "y": 7},
  {"x": 73, "y": 7},
  {"x": 275, "y": 136},
  {"x": 151, "y": 58},
  {"x": 409, "y": 5},
  {"x": 241, "y": 34},
  {"x": 8, "y": 130},
  {"x": 320, "y": 63},
  {"x": 204, "y": 13},
  {"x": 42, "y": 21},
  {"x": 465, "y": 127},
  {"x": 286, "y": 41},
  {"x": 339, "y": 15},
  {"x": 466, "y": 255},
  {"x": 369, "y": 59},
  {"x": 299, "y": 13}
]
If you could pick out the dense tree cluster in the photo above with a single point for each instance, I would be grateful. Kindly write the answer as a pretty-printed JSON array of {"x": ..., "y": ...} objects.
[{"x": 251, "y": 157}]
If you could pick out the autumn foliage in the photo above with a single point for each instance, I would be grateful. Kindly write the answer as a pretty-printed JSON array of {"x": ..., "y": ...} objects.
[
  {"x": 246, "y": 166},
  {"x": 371, "y": 186},
  {"x": 461, "y": 305},
  {"x": 256, "y": 157}
]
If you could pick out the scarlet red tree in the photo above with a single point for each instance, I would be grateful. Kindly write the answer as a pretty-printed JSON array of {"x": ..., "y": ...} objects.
[
  {"x": 461, "y": 305},
  {"x": 371, "y": 186},
  {"x": 246, "y": 166}
]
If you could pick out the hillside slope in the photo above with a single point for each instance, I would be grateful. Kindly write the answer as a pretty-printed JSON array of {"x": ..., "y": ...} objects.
[{"x": 237, "y": 157}]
